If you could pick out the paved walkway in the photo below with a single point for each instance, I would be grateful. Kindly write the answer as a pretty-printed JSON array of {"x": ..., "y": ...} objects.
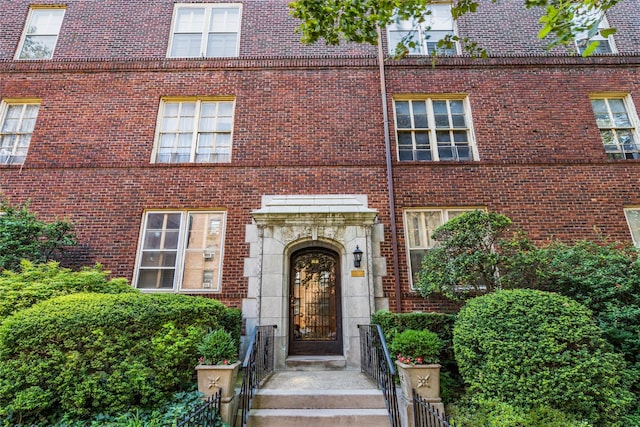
[{"x": 319, "y": 380}]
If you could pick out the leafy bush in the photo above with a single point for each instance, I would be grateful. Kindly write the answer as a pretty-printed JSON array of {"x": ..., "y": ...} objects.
[
  {"x": 440, "y": 323},
  {"x": 24, "y": 236},
  {"x": 85, "y": 354},
  {"x": 465, "y": 261},
  {"x": 485, "y": 413},
  {"x": 421, "y": 347},
  {"x": 218, "y": 348},
  {"x": 39, "y": 282},
  {"x": 531, "y": 348}
]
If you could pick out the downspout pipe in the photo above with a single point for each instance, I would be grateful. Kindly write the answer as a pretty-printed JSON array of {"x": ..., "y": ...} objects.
[{"x": 392, "y": 204}]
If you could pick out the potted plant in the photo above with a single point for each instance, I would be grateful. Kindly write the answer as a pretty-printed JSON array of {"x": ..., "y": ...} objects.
[
  {"x": 218, "y": 364},
  {"x": 418, "y": 356}
]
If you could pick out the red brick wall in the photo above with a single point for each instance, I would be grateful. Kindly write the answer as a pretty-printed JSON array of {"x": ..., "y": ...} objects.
[{"x": 304, "y": 126}]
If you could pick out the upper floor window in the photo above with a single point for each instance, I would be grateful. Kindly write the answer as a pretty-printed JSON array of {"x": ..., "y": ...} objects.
[
  {"x": 180, "y": 251},
  {"x": 40, "y": 34},
  {"x": 617, "y": 122},
  {"x": 633, "y": 219},
  {"x": 194, "y": 131},
  {"x": 423, "y": 37},
  {"x": 17, "y": 121},
  {"x": 205, "y": 30},
  {"x": 433, "y": 129},
  {"x": 582, "y": 18},
  {"x": 419, "y": 225}
]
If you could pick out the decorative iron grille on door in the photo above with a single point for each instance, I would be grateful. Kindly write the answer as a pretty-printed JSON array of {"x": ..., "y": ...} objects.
[{"x": 315, "y": 324}]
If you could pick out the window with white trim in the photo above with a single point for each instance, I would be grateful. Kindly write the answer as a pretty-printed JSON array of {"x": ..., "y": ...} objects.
[
  {"x": 40, "y": 34},
  {"x": 180, "y": 251},
  {"x": 419, "y": 225},
  {"x": 581, "y": 20},
  {"x": 205, "y": 30},
  {"x": 421, "y": 38},
  {"x": 633, "y": 220},
  {"x": 17, "y": 121},
  {"x": 433, "y": 129},
  {"x": 618, "y": 124},
  {"x": 194, "y": 131}
]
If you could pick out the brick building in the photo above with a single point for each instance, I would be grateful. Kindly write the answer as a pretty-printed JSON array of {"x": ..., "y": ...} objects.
[{"x": 200, "y": 148}]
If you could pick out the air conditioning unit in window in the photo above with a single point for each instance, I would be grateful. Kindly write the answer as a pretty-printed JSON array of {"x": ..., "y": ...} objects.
[
  {"x": 208, "y": 255},
  {"x": 206, "y": 284}
]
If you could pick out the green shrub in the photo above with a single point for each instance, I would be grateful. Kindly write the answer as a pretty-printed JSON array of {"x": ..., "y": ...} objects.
[
  {"x": 421, "y": 347},
  {"x": 531, "y": 348},
  {"x": 39, "y": 282},
  {"x": 218, "y": 348},
  {"x": 491, "y": 413},
  {"x": 85, "y": 354},
  {"x": 442, "y": 324},
  {"x": 24, "y": 236}
]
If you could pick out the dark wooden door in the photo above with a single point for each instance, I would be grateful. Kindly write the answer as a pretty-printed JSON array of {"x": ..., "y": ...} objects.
[{"x": 315, "y": 322}]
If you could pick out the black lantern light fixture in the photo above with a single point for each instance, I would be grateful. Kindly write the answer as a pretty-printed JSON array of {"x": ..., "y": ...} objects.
[{"x": 357, "y": 257}]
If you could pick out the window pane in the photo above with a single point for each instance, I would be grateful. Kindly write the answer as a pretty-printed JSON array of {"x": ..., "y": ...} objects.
[
  {"x": 45, "y": 21},
  {"x": 190, "y": 20},
  {"x": 186, "y": 46},
  {"x": 221, "y": 45},
  {"x": 633, "y": 218},
  {"x": 38, "y": 47},
  {"x": 225, "y": 20}
]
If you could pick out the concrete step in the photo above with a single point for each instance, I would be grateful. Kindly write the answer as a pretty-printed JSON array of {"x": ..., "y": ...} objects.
[
  {"x": 318, "y": 417},
  {"x": 315, "y": 363},
  {"x": 319, "y": 399}
]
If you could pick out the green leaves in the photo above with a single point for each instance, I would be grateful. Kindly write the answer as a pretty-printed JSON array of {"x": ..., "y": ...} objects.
[
  {"x": 358, "y": 20},
  {"x": 24, "y": 236}
]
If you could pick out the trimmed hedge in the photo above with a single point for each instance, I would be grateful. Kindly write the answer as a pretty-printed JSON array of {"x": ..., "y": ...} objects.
[
  {"x": 531, "y": 348},
  {"x": 439, "y": 323},
  {"x": 84, "y": 354},
  {"x": 39, "y": 282}
]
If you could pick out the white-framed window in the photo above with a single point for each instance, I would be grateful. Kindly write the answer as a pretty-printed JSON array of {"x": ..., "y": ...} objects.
[
  {"x": 618, "y": 124},
  {"x": 434, "y": 129},
  {"x": 419, "y": 225},
  {"x": 180, "y": 251},
  {"x": 40, "y": 33},
  {"x": 582, "y": 18},
  {"x": 205, "y": 30},
  {"x": 194, "y": 131},
  {"x": 633, "y": 220},
  {"x": 17, "y": 121},
  {"x": 424, "y": 36}
]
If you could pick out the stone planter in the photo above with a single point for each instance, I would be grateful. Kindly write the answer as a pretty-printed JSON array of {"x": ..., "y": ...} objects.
[
  {"x": 212, "y": 378},
  {"x": 425, "y": 379}
]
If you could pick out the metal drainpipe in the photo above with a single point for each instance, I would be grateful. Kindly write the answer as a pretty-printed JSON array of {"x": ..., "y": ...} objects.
[{"x": 392, "y": 204}]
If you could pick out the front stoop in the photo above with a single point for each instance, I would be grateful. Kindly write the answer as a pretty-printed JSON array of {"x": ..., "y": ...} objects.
[
  {"x": 318, "y": 399},
  {"x": 316, "y": 363}
]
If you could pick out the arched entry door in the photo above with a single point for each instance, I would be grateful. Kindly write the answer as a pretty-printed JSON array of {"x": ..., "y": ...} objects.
[{"x": 315, "y": 323}]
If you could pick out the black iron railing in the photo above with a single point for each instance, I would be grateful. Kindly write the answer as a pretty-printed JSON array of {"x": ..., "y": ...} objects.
[
  {"x": 206, "y": 415},
  {"x": 424, "y": 414},
  {"x": 376, "y": 362},
  {"x": 258, "y": 364}
]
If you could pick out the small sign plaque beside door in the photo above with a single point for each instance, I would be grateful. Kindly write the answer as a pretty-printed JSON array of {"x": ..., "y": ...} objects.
[{"x": 357, "y": 273}]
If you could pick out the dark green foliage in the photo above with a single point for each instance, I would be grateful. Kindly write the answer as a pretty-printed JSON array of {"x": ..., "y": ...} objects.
[
  {"x": 24, "y": 236},
  {"x": 465, "y": 261},
  {"x": 442, "y": 325},
  {"x": 85, "y": 354},
  {"x": 231, "y": 322},
  {"x": 534, "y": 349},
  {"x": 499, "y": 414},
  {"x": 218, "y": 348},
  {"x": 412, "y": 346},
  {"x": 35, "y": 283}
]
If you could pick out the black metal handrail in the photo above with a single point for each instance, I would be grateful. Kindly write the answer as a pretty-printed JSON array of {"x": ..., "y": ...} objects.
[
  {"x": 208, "y": 414},
  {"x": 375, "y": 361},
  {"x": 259, "y": 363},
  {"x": 424, "y": 414}
]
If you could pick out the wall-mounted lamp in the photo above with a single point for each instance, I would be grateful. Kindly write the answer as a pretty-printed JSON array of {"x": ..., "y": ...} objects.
[{"x": 357, "y": 257}]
